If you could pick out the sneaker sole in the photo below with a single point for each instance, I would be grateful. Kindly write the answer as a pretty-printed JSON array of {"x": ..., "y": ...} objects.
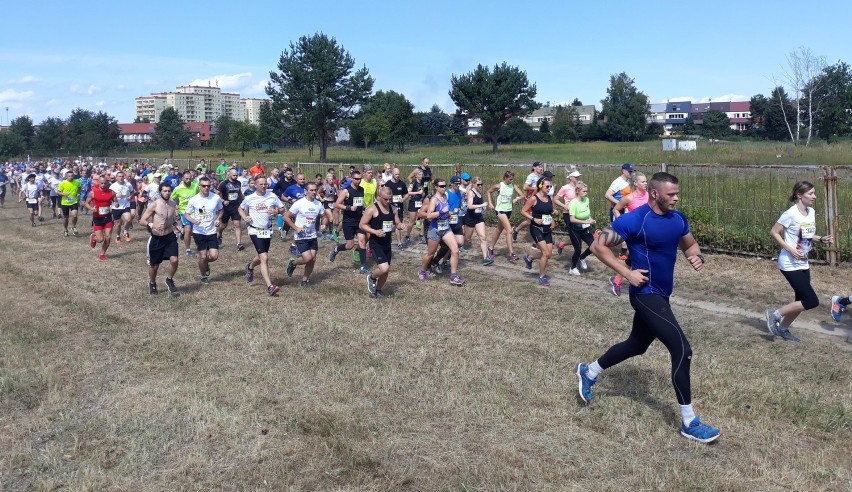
[
  {"x": 580, "y": 384},
  {"x": 705, "y": 441}
]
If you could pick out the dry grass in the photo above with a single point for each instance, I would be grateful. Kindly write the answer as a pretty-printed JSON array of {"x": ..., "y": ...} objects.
[{"x": 437, "y": 388}]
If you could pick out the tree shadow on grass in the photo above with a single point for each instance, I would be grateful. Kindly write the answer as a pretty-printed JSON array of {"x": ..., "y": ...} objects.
[{"x": 634, "y": 383}]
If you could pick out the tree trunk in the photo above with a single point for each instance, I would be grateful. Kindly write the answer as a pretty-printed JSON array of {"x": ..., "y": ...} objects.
[
  {"x": 494, "y": 144},
  {"x": 323, "y": 146}
]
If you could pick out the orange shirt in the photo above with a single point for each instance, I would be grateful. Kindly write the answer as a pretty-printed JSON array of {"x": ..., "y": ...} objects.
[{"x": 256, "y": 169}]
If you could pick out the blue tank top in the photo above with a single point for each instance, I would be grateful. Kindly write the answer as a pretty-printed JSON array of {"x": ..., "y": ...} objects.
[{"x": 442, "y": 221}]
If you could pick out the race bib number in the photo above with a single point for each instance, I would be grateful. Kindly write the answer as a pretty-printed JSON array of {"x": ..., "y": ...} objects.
[
  {"x": 546, "y": 220},
  {"x": 263, "y": 233},
  {"x": 454, "y": 219},
  {"x": 103, "y": 210},
  {"x": 584, "y": 226},
  {"x": 233, "y": 196},
  {"x": 418, "y": 203},
  {"x": 808, "y": 231},
  {"x": 443, "y": 225},
  {"x": 478, "y": 210},
  {"x": 31, "y": 200},
  {"x": 358, "y": 201},
  {"x": 505, "y": 199},
  {"x": 397, "y": 198},
  {"x": 387, "y": 225}
]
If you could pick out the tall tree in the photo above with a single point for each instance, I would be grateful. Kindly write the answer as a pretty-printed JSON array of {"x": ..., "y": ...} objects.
[
  {"x": 493, "y": 97},
  {"x": 170, "y": 132},
  {"x": 107, "y": 133},
  {"x": 772, "y": 117},
  {"x": 11, "y": 145},
  {"x": 517, "y": 130},
  {"x": 48, "y": 137},
  {"x": 389, "y": 118},
  {"x": 716, "y": 124},
  {"x": 316, "y": 89},
  {"x": 434, "y": 122},
  {"x": 834, "y": 93},
  {"x": 270, "y": 128},
  {"x": 24, "y": 128},
  {"x": 564, "y": 127},
  {"x": 801, "y": 69},
  {"x": 576, "y": 102},
  {"x": 79, "y": 131},
  {"x": 244, "y": 137},
  {"x": 224, "y": 126},
  {"x": 625, "y": 109}
]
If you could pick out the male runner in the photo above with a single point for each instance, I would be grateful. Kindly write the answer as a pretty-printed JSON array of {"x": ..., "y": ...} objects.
[
  {"x": 351, "y": 201},
  {"x": 161, "y": 218},
  {"x": 204, "y": 212},
  {"x": 100, "y": 202},
  {"x": 68, "y": 189},
  {"x": 181, "y": 194},
  {"x": 230, "y": 190},
  {"x": 380, "y": 220},
  {"x": 258, "y": 210},
  {"x": 302, "y": 219},
  {"x": 121, "y": 208}
]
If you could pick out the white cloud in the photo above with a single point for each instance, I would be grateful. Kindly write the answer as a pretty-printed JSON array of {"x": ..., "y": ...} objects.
[
  {"x": 258, "y": 89},
  {"x": 78, "y": 89},
  {"x": 706, "y": 99},
  {"x": 100, "y": 103},
  {"x": 11, "y": 96},
  {"x": 225, "y": 82},
  {"x": 26, "y": 79}
]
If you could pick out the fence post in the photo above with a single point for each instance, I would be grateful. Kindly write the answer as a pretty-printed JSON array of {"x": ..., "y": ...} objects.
[
  {"x": 830, "y": 180},
  {"x": 664, "y": 168}
]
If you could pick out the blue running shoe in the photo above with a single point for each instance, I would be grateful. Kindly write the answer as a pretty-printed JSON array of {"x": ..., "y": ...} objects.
[
  {"x": 364, "y": 270},
  {"x": 585, "y": 383},
  {"x": 528, "y": 262},
  {"x": 836, "y": 308},
  {"x": 332, "y": 254},
  {"x": 699, "y": 432},
  {"x": 294, "y": 250},
  {"x": 291, "y": 267}
]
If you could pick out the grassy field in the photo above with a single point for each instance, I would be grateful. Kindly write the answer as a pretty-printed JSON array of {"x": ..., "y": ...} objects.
[{"x": 103, "y": 387}]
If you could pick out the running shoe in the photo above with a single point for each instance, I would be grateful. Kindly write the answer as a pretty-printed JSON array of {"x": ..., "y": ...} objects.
[
  {"x": 332, "y": 254},
  {"x": 364, "y": 270},
  {"x": 615, "y": 286},
  {"x": 305, "y": 283},
  {"x": 528, "y": 262},
  {"x": 574, "y": 271},
  {"x": 379, "y": 295},
  {"x": 334, "y": 237},
  {"x": 272, "y": 290},
  {"x": 436, "y": 269},
  {"x": 697, "y": 431},
  {"x": 784, "y": 333},
  {"x": 514, "y": 234},
  {"x": 356, "y": 258},
  {"x": 249, "y": 273},
  {"x": 513, "y": 257},
  {"x": 406, "y": 243},
  {"x": 291, "y": 267},
  {"x": 455, "y": 279},
  {"x": 583, "y": 265},
  {"x": 205, "y": 279},
  {"x": 371, "y": 285},
  {"x": 33, "y": 224},
  {"x": 400, "y": 246},
  {"x": 207, "y": 273},
  {"x": 423, "y": 276},
  {"x": 461, "y": 249},
  {"x": 170, "y": 283},
  {"x": 543, "y": 281},
  {"x": 92, "y": 241},
  {"x": 560, "y": 247},
  {"x": 65, "y": 233},
  {"x": 102, "y": 256},
  {"x": 117, "y": 239},
  {"x": 487, "y": 261},
  {"x": 41, "y": 219},
  {"x": 585, "y": 383},
  {"x": 75, "y": 231},
  {"x": 240, "y": 247},
  {"x": 772, "y": 324},
  {"x": 836, "y": 308},
  {"x": 127, "y": 237},
  {"x": 281, "y": 234},
  {"x": 189, "y": 253},
  {"x": 294, "y": 250},
  {"x": 152, "y": 288}
]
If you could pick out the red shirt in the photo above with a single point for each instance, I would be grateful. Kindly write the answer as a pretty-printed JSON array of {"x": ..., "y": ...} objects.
[
  {"x": 256, "y": 169},
  {"x": 101, "y": 200}
]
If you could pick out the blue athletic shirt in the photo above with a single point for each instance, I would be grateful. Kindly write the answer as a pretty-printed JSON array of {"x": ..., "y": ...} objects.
[{"x": 653, "y": 244}]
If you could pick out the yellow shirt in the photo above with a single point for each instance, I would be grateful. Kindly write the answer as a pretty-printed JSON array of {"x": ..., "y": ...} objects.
[{"x": 369, "y": 192}]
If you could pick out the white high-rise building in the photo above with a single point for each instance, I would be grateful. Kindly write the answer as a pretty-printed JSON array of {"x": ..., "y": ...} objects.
[
  {"x": 252, "y": 109},
  {"x": 197, "y": 104}
]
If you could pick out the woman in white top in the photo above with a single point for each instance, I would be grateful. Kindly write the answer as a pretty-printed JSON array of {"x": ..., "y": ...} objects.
[{"x": 795, "y": 232}]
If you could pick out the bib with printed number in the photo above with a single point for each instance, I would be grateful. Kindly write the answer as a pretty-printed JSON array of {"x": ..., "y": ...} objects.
[
  {"x": 418, "y": 203},
  {"x": 31, "y": 200},
  {"x": 263, "y": 233},
  {"x": 387, "y": 225},
  {"x": 358, "y": 201},
  {"x": 546, "y": 220},
  {"x": 103, "y": 210},
  {"x": 505, "y": 199},
  {"x": 478, "y": 210},
  {"x": 233, "y": 196},
  {"x": 443, "y": 225},
  {"x": 397, "y": 198},
  {"x": 454, "y": 218}
]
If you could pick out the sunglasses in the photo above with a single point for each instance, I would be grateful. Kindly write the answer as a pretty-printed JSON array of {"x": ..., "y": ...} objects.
[
  {"x": 441, "y": 185},
  {"x": 204, "y": 186}
]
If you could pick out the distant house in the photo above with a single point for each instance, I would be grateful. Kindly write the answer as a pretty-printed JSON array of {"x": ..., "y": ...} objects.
[
  {"x": 143, "y": 133},
  {"x": 585, "y": 115},
  {"x": 673, "y": 115}
]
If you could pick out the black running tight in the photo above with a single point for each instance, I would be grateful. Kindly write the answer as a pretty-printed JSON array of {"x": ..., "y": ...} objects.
[
  {"x": 578, "y": 236},
  {"x": 654, "y": 319}
]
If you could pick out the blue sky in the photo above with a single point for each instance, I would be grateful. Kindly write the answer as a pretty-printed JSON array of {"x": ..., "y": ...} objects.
[{"x": 57, "y": 56}]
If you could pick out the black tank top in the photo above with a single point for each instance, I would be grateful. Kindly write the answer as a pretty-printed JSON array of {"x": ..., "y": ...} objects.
[
  {"x": 383, "y": 221},
  {"x": 540, "y": 210},
  {"x": 355, "y": 197},
  {"x": 477, "y": 205}
]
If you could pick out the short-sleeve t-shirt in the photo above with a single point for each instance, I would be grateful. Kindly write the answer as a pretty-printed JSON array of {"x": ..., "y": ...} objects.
[
  {"x": 206, "y": 209},
  {"x": 653, "y": 242},
  {"x": 72, "y": 188},
  {"x": 122, "y": 192},
  {"x": 369, "y": 191},
  {"x": 579, "y": 209},
  {"x": 567, "y": 193},
  {"x": 799, "y": 231},
  {"x": 306, "y": 213},
  {"x": 620, "y": 187},
  {"x": 258, "y": 207},
  {"x": 182, "y": 193}
]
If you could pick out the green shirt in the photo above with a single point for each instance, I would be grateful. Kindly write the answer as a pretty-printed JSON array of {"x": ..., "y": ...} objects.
[
  {"x": 220, "y": 171},
  {"x": 504, "y": 197},
  {"x": 579, "y": 209},
  {"x": 72, "y": 188},
  {"x": 183, "y": 193}
]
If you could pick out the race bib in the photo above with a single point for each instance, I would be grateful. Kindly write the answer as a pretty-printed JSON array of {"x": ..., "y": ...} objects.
[
  {"x": 584, "y": 226},
  {"x": 478, "y": 210},
  {"x": 418, "y": 203},
  {"x": 233, "y": 196},
  {"x": 387, "y": 225},
  {"x": 454, "y": 219},
  {"x": 397, "y": 198},
  {"x": 505, "y": 199},
  {"x": 103, "y": 210},
  {"x": 443, "y": 225},
  {"x": 263, "y": 233},
  {"x": 31, "y": 200},
  {"x": 546, "y": 220},
  {"x": 808, "y": 231},
  {"x": 358, "y": 201}
]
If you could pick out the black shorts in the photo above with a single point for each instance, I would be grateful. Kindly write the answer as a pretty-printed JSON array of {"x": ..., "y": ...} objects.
[
  {"x": 118, "y": 212},
  {"x": 2, "y": 191},
  {"x": 329, "y": 205},
  {"x": 539, "y": 234},
  {"x": 307, "y": 245},
  {"x": 412, "y": 207},
  {"x": 261, "y": 244},
  {"x": 230, "y": 213},
  {"x": 66, "y": 209},
  {"x": 102, "y": 222},
  {"x": 32, "y": 206},
  {"x": 54, "y": 201},
  {"x": 204, "y": 241},
  {"x": 132, "y": 205},
  {"x": 350, "y": 230},
  {"x": 457, "y": 229},
  {"x": 399, "y": 211},
  {"x": 381, "y": 250},
  {"x": 470, "y": 220},
  {"x": 507, "y": 214},
  {"x": 162, "y": 247}
]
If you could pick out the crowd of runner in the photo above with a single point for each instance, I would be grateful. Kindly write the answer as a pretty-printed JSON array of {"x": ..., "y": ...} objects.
[{"x": 372, "y": 215}]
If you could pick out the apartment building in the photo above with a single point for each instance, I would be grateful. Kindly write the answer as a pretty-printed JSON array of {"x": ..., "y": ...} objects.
[
  {"x": 252, "y": 109},
  {"x": 197, "y": 104}
]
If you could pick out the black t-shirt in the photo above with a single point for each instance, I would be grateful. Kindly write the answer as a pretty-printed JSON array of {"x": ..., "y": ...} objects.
[
  {"x": 231, "y": 192},
  {"x": 427, "y": 178},
  {"x": 398, "y": 190}
]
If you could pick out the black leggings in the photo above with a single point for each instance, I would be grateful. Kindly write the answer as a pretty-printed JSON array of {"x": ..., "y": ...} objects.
[
  {"x": 800, "y": 281},
  {"x": 578, "y": 235},
  {"x": 654, "y": 319}
]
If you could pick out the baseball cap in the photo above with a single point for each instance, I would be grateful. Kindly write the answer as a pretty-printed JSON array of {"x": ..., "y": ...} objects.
[
  {"x": 465, "y": 176},
  {"x": 628, "y": 166},
  {"x": 536, "y": 164},
  {"x": 158, "y": 175},
  {"x": 547, "y": 174},
  {"x": 574, "y": 174},
  {"x": 455, "y": 179}
]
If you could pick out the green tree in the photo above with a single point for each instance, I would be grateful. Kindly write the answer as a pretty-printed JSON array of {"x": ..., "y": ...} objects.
[
  {"x": 170, "y": 132},
  {"x": 224, "y": 126},
  {"x": 24, "y": 128},
  {"x": 244, "y": 137},
  {"x": 517, "y": 130},
  {"x": 48, "y": 137},
  {"x": 11, "y": 145},
  {"x": 834, "y": 96},
  {"x": 576, "y": 102},
  {"x": 270, "y": 128},
  {"x": 107, "y": 134},
  {"x": 772, "y": 118},
  {"x": 716, "y": 124},
  {"x": 316, "y": 89},
  {"x": 79, "y": 131},
  {"x": 565, "y": 124},
  {"x": 388, "y": 117},
  {"x": 625, "y": 109},
  {"x": 458, "y": 125},
  {"x": 434, "y": 122},
  {"x": 545, "y": 127},
  {"x": 689, "y": 127},
  {"x": 494, "y": 97}
]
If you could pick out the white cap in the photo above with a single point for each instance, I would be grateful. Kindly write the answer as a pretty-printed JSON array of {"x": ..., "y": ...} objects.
[{"x": 574, "y": 174}]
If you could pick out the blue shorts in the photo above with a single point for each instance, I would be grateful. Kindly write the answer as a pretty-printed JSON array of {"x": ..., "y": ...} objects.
[{"x": 184, "y": 221}]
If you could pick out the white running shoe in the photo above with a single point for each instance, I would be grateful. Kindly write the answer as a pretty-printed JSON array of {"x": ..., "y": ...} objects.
[{"x": 574, "y": 271}]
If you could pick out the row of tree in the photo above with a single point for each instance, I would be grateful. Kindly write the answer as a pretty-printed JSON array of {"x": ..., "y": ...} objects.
[{"x": 83, "y": 132}]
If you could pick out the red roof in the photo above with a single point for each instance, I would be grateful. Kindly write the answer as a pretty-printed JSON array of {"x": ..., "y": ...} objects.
[{"x": 200, "y": 128}]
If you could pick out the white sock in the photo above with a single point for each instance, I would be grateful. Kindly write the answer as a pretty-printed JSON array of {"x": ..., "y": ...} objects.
[
  {"x": 594, "y": 370},
  {"x": 777, "y": 315},
  {"x": 687, "y": 415}
]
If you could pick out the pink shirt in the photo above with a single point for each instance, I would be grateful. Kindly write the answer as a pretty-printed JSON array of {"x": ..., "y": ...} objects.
[
  {"x": 567, "y": 193},
  {"x": 637, "y": 201}
]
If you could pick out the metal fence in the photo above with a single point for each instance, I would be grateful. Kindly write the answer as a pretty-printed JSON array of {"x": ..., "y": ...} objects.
[{"x": 730, "y": 207}]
